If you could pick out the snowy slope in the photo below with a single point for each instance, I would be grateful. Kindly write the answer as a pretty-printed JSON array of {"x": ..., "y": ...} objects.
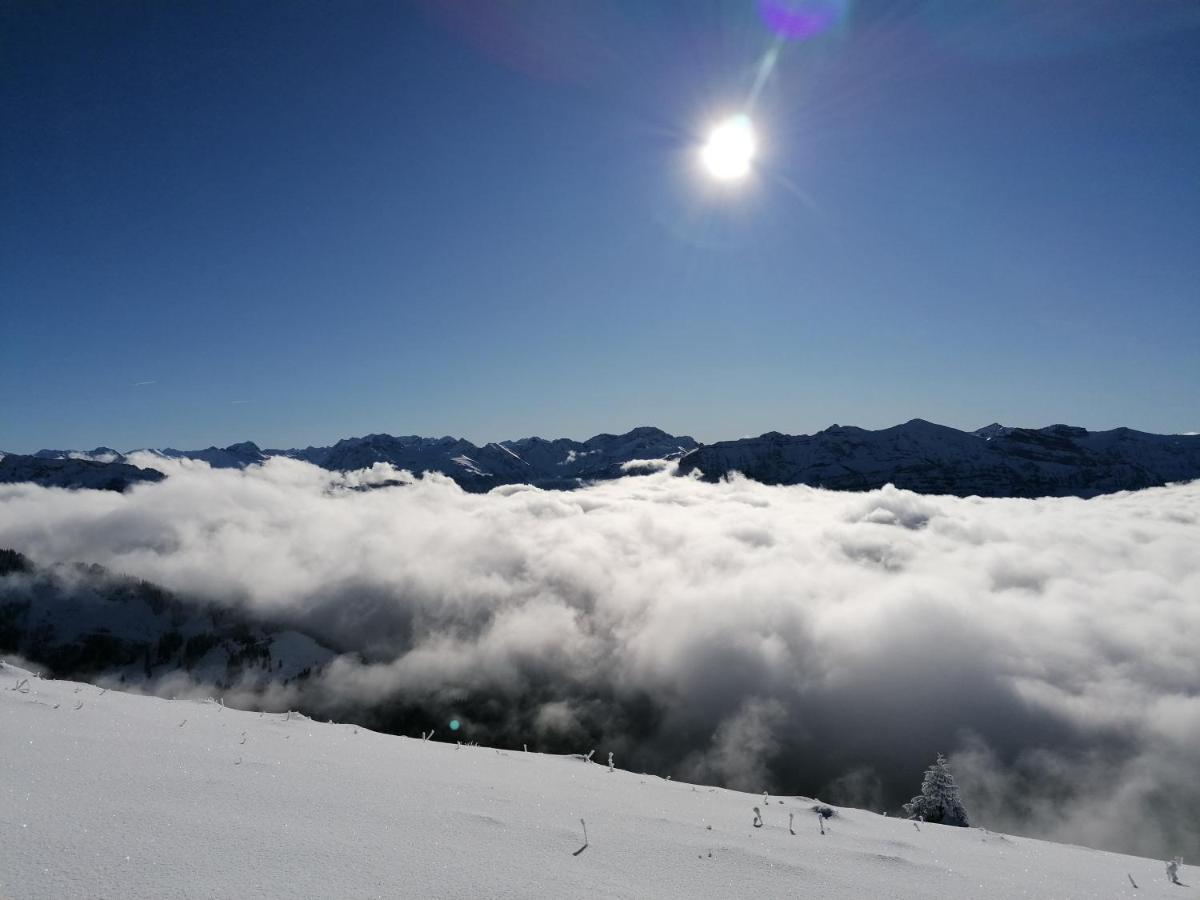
[{"x": 104, "y": 794}]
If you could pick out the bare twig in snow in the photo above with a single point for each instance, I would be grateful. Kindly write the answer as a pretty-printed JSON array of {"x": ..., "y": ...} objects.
[
  {"x": 585, "y": 839},
  {"x": 184, "y": 722},
  {"x": 790, "y": 817},
  {"x": 1131, "y": 881}
]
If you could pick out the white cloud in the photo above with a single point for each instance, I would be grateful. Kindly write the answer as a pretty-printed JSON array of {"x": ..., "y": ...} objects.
[{"x": 735, "y": 630}]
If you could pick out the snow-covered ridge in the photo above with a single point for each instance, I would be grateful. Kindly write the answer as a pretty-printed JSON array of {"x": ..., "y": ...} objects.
[
  {"x": 73, "y": 472},
  {"x": 108, "y": 794},
  {"x": 994, "y": 461},
  {"x": 561, "y": 463}
]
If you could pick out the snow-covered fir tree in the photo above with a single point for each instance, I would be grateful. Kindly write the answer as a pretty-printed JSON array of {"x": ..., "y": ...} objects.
[{"x": 939, "y": 800}]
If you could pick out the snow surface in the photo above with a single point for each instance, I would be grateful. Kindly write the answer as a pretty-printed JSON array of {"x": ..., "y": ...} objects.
[{"x": 138, "y": 797}]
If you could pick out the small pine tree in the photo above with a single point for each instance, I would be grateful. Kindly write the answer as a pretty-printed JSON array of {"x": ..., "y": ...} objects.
[{"x": 938, "y": 801}]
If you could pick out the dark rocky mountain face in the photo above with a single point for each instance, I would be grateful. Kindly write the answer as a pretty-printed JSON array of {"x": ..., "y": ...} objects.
[
  {"x": 1060, "y": 460},
  {"x": 561, "y": 463},
  {"x": 995, "y": 461},
  {"x": 534, "y": 460},
  {"x": 84, "y": 621},
  {"x": 73, "y": 473}
]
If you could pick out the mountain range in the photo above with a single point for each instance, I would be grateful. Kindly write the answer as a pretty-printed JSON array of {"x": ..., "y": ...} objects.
[{"x": 994, "y": 461}]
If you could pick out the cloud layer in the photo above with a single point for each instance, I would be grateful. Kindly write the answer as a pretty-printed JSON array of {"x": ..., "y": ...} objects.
[{"x": 780, "y": 638}]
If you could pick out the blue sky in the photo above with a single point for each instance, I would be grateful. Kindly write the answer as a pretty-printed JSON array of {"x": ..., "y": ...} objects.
[{"x": 292, "y": 222}]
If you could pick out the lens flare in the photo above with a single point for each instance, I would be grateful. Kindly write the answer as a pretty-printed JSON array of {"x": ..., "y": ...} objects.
[
  {"x": 729, "y": 151},
  {"x": 797, "y": 20}
]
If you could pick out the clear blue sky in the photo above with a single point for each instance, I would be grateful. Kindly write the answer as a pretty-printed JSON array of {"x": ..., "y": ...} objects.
[{"x": 294, "y": 221}]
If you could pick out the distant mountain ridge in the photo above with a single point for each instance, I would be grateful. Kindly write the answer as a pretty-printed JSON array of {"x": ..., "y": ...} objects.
[
  {"x": 73, "y": 472},
  {"x": 560, "y": 463},
  {"x": 994, "y": 461}
]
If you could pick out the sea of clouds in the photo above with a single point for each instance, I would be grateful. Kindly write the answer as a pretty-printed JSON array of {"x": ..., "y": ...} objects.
[{"x": 767, "y": 638}]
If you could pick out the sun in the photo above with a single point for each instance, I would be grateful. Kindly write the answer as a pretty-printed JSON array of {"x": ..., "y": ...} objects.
[{"x": 728, "y": 153}]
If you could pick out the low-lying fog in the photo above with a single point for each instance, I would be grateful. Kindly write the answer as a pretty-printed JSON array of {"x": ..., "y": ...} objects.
[{"x": 767, "y": 638}]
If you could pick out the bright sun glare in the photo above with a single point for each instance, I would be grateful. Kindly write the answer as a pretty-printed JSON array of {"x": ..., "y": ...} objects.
[{"x": 729, "y": 151}]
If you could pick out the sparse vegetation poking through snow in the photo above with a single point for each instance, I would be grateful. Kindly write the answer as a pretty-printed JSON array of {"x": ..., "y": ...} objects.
[
  {"x": 1129, "y": 875},
  {"x": 939, "y": 801},
  {"x": 791, "y": 817},
  {"x": 1173, "y": 867},
  {"x": 585, "y": 839},
  {"x": 22, "y": 686}
]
